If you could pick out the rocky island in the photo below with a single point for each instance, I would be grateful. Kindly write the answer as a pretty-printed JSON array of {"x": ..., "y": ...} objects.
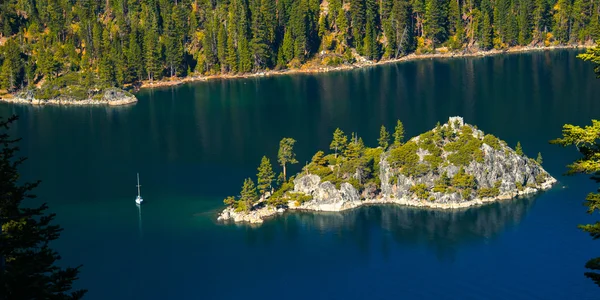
[
  {"x": 454, "y": 165},
  {"x": 109, "y": 96}
]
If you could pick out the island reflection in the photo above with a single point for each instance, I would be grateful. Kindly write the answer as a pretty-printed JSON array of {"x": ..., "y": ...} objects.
[{"x": 373, "y": 228}]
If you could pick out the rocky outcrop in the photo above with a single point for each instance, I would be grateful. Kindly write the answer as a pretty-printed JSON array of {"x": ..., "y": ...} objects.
[
  {"x": 496, "y": 172},
  {"x": 325, "y": 196},
  {"x": 257, "y": 215},
  {"x": 111, "y": 97}
]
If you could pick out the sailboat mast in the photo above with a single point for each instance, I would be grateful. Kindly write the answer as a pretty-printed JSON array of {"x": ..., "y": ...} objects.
[{"x": 138, "y": 185}]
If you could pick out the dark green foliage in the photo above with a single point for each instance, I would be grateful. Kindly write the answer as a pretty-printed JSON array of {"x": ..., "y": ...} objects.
[
  {"x": 519, "y": 149},
  {"x": 405, "y": 158},
  {"x": 384, "y": 138},
  {"x": 122, "y": 42},
  {"x": 586, "y": 141},
  {"x": 465, "y": 149},
  {"x": 11, "y": 72},
  {"x": 286, "y": 154},
  {"x": 265, "y": 175},
  {"x": 539, "y": 160},
  {"x": 420, "y": 190},
  {"x": 298, "y": 198},
  {"x": 488, "y": 192},
  {"x": 442, "y": 184},
  {"x": 592, "y": 55},
  {"x": 339, "y": 142},
  {"x": 398, "y": 133},
  {"x": 464, "y": 181},
  {"x": 27, "y": 263},
  {"x": 248, "y": 196},
  {"x": 492, "y": 141}
]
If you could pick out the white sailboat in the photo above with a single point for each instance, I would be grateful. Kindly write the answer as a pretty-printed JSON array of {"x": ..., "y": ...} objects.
[{"x": 138, "y": 199}]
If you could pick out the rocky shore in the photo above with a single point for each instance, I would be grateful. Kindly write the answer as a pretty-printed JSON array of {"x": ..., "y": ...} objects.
[
  {"x": 500, "y": 174},
  {"x": 111, "y": 97}
]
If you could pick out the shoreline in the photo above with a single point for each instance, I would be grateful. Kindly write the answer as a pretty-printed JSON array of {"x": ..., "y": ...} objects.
[
  {"x": 305, "y": 69},
  {"x": 62, "y": 102},
  {"x": 265, "y": 212},
  {"x": 110, "y": 97},
  {"x": 169, "y": 82}
]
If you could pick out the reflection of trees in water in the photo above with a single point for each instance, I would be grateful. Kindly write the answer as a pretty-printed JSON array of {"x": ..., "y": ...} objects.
[{"x": 375, "y": 226}]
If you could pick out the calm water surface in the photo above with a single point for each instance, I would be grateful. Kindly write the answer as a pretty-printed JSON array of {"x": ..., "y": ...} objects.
[{"x": 194, "y": 144}]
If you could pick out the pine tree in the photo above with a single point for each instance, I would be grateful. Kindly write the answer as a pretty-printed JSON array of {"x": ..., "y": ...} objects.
[
  {"x": 106, "y": 68},
  {"x": 248, "y": 195},
  {"x": 232, "y": 58},
  {"x": 539, "y": 159},
  {"x": 222, "y": 47},
  {"x": 286, "y": 154},
  {"x": 173, "y": 45},
  {"x": 486, "y": 32},
  {"x": 245, "y": 62},
  {"x": 342, "y": 24},
  {"x": 135, "y": 58},
  {"x": 525, "y": 8},
  {"x": 288, "y": 47},
  {"x": 454, "y": 17},
  {"x": 384, "y": 138},
  {"x": 434, "y": 22},
  {"x": 586, "y": 142},
  {"x": 358, "y": 12},
  {"x": 152, "y": 51},
  {"x": 261, "y": 52},
  {"x": 265, "y": 175},
  {"x": 339, "y": 142},
  {"x": 28, "y": 267},
  {"x": 518, "y": 149},
  {"x": 561, "y": 20},
  {"x": 541, "y": 22},
  {"x": 12, "y": 66},
  {"x": 399, "y": 134}
]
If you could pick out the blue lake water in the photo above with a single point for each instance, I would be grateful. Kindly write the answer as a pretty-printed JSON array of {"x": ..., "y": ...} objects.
[{"x": 194, "y": 144}]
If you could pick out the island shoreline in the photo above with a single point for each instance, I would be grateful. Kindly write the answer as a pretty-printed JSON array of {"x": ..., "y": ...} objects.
[{"x": 258, "y": 216}]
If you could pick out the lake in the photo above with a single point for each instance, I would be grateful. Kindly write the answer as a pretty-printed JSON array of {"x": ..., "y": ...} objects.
[{"x": 194, "y": 144}]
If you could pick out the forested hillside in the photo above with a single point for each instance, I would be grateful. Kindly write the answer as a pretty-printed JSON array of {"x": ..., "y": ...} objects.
[{"x": 117, "y": 42}]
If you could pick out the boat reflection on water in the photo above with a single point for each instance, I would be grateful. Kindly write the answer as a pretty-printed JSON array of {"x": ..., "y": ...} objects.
[{"x": 372, "y": 227}]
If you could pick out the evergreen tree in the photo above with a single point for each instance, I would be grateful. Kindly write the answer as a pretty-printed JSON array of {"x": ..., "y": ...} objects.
[
  {"x": 173, "y": 46},
  {"x": 265, "y": 175},
  {"x": 518, "y": 149},
  {"x": 286, "y": 154},
  {"x": 27, "y": 263},
  {"x": 486, "y": 31},
  {"x": 222, "y": 47},
  {"x": 585, "y": 139},
  {"x": 287, "y": 47},
  {"x": 135, "y": 58},
  {"x": 539, "y": 159},
  {"x": 106, "y": 69},
  {"x": 152, "y": 51},
  {"x": 434, "y": 22},
  {"x": 339, "y": 142},
  {"x": 562, "y": 20},
  {"x": 592, "y": 55},
  {"x": 384, "y": 138},
  {"x": 12, "y": 66},
  {"x": 399, "y": 134},
  {"x": 541, "y": 21},
  {"x": 358, "y": 12},
  {"x": 248, "y": 195}
]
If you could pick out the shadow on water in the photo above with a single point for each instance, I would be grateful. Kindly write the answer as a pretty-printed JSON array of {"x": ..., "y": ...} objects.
[{"x": 370, "y": 227}]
